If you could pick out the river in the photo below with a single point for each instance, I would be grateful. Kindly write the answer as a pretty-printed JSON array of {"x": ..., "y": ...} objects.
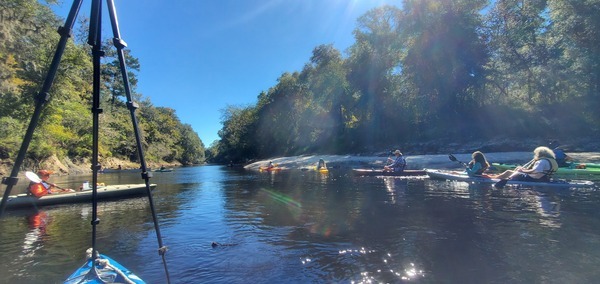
[{"x": 299, "y": 226}]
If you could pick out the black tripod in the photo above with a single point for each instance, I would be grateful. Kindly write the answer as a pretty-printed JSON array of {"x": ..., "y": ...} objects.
[{"x": 95, "y": 40}]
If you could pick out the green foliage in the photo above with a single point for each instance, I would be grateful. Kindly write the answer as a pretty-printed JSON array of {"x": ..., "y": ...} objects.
[
  {"x": 29, "y": 38},
  {"x": 433, "y": 69},
  {"x": 9, "y": 142}
]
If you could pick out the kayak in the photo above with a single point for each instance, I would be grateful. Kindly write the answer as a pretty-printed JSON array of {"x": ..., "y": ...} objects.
[
  {"x": 323, "y": 170},
  {"x": 107, "y": 270},
  {"x": 271, "y": 169},
  {"x": 163, "y": 170},
  {"x": 462, "y": 176},
  {"x": 103, "y": 192},
  {"x": 583, "y": 170},
  {"x": 372, "y": 172}
]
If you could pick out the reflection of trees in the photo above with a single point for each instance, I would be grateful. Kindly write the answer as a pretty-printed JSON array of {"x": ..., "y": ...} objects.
[{"x": 58, "y": 236}]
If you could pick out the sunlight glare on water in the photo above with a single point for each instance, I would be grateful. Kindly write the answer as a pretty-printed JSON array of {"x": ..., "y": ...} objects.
[{"x": 225, "y": 225}]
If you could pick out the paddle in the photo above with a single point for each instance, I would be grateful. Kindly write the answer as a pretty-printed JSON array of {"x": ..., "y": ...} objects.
[
  {"x": 35, "y": 178},
  {"x": 500, "y": 184},
  {"x": 453, "y": 159}
]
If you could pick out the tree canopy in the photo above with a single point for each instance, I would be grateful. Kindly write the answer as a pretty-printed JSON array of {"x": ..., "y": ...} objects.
[
  {"x": 431, "y": 69},
  {"x": 28, "y": 41}
]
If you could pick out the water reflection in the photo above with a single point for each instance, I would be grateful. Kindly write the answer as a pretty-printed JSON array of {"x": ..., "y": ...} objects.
[
  {"x": 305, "y": 227},
  {"x": 34, "y": 239}
]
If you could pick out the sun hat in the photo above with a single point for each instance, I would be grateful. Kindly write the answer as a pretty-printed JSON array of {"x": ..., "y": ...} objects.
[{"x": 397, "y": 152}]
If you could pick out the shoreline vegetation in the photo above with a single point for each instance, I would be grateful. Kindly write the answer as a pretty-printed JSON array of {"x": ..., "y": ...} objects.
[
  {"x": 500, "y": 150},
  {"x": 508, "y": 89},
  {"x": 419, "y": 156}
]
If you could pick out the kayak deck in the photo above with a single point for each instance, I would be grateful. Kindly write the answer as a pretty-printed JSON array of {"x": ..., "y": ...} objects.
[
  {"x": 461, "y": 176},
  {"x": 561, "y": 171},
  {"x": 103, "y": 192},
  {"x": 373, "y": 172},
  {"x": 106, "y": 270}
]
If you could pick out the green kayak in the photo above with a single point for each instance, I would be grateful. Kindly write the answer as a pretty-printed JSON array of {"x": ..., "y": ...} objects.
[{"x": 575, "y": 169}]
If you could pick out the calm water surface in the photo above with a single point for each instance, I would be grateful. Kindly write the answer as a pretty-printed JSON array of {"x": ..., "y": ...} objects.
[{"x": 305, "y": 227}]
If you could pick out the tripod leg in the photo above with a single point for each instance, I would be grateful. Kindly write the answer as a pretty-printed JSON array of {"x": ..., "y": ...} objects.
[
  {"x": 132, "y": 106},
  {"x": 40, "y": 100},
  {"x": 95, "y": 40}
]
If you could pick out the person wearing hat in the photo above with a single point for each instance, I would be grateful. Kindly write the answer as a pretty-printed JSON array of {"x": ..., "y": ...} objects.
[
  {"x": 562, "y": 158},
  {"x": 396, "y": 165},
  {"x": 40, "y": 189}
]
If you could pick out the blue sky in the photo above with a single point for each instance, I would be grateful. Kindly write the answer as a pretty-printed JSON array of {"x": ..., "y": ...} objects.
[{"x": 198, "y": 56}]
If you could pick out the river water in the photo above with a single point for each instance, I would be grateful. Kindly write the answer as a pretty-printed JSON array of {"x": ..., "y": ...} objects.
[{"x": 305, "y": 227}]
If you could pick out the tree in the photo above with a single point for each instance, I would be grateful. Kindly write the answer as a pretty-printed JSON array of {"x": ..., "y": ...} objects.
[
  {"x": 576, "y": 30},
  {"x": 445, "y": 58},
  {"x": 193, "y": 151},
  {"x": 327, "y": 114},
  {"x": 373, "y": 58}
]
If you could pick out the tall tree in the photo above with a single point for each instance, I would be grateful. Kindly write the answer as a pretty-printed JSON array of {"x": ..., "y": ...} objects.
[
  {"x": 576, "y": 29},
  {"x": 373, "y": 58},
  {"x": 445, "y": 58},
  {"x": 519, "y": 48},
  {"x": 327, "y": 112},
  {"x": 237, "y": 135}
]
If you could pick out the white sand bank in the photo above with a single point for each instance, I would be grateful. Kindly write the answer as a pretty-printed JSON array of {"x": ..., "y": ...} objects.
[{"x": 413, "y": 162}]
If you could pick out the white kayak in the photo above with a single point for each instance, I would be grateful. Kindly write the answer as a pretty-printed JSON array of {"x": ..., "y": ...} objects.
[
  {"x": 462, "y": 176},
  {"x": 103, "y": 192}
]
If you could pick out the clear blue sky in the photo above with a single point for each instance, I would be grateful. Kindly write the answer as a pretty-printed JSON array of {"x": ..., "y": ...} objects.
[{"x": 198, "y": 56}]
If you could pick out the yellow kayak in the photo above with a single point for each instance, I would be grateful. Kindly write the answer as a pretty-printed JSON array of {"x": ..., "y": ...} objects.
[{"x": 322, "y": 170}]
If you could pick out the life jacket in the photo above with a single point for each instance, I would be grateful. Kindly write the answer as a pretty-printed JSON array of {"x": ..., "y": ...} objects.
[
  {"x": 38, "y": 189},
  {"x": 547, "y": 173},
  {"x": 399, "y": 163},
  {"x": 480, "y": 171},
  {"x": 553, "y": 168}
]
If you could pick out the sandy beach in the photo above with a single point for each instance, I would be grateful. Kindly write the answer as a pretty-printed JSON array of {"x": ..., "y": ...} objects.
[{"x": 440, "y": 161}]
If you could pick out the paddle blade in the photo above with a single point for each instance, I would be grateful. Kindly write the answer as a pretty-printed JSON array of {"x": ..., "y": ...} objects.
[
  {"x": 33, "y": 177},
  {"x": 501, "y": 183},
  {"x": 452, "y": 158}
]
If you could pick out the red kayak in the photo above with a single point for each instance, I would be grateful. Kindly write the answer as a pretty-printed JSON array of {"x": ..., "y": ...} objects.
[{"x": 372, "y": 172}]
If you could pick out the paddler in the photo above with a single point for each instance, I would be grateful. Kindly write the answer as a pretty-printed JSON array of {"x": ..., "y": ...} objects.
[
  {"x": 321, "y": 165},
  {"x": 561, "y": 157},
  {"x": 540, "y": 169},
  {"x": 396, "y": 165},
  {"x": 478, "y": 164},
  {"x": 44, "y": 187}
]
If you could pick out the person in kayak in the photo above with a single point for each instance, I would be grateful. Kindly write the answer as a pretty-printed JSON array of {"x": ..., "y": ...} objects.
[
  {"x": 39, "y": 189},
  {"x": 539, "y": 169},
  {"x": 478, "y": 164},
  {"x": 396, "y": 165},
  {"x": 321, "y": 164},
  {"x": 561, "y": 157}
]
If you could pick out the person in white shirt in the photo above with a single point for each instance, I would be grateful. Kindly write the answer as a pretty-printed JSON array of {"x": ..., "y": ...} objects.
[{"x": 540, "y": 168}]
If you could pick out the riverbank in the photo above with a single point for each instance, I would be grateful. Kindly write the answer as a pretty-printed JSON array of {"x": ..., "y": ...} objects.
[
  {"x": 427, "y": 154},
  {"x": 439, "y": 161},
  {"x": 66, "y": 166},
  {"x": 434, "y": 154}
]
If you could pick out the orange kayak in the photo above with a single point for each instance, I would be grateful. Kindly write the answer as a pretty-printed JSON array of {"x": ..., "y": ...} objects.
[{"x": 269, "y": 169}]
